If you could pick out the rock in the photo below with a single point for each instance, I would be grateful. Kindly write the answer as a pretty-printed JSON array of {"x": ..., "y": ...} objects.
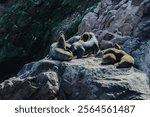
[
  {"x": 34, "y": 81},
  {"x": 113, "y": 16},
  {"x": 4, "y": 4},
  {"x": 141, "y": 52},
  {"x": 126, "y": 29},
  {"x": 138, "y": 45},
  {"x": 3, "y": 1},
  {"x": 125, "y": 22},
  {"x": 107, "y": 36},
  {"x": 28, "y": 27},
  {"x": 107, "y": 39},
  {"x": 106, "y": 44},
  {"x": 87, "y": 79},
  {"x": 88, "y": 22},
  {"x": 77, "y": 79}
]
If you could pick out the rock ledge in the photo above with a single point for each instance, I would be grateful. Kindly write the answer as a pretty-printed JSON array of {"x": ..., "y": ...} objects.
[{"x": 82, "y": 78}]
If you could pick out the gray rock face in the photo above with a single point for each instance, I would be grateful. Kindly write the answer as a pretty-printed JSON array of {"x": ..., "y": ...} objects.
[
  {"x": 141, "y": 52},
  {"x": 82, "y": 78},
  {"x": 126, "y": 22},
  {"x": 34, "y": 81}
]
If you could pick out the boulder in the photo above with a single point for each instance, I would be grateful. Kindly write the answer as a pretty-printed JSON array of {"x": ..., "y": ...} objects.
[
  {"x": 34, "y": 81},
  {"x": 77, "y": 79},
  {"x": 88, "y": 79}
]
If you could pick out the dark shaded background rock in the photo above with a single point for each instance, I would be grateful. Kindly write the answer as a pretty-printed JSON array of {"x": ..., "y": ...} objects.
[
  {"x": 4, "y": 4},
  {"x": 27, "y": 28},
  {"x": 126, "y": 22},
  {"x": 78, "y": 79}
]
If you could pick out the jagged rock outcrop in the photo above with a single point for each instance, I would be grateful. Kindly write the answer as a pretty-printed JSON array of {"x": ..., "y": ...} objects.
[
  {"x": 82, "y": 78},
  {"x": 126, "y": 22},
  {"x": 27, "y": 27}
]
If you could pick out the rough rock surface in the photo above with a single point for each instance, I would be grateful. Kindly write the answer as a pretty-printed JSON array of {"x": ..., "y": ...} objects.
[
  {"x": 4, "y": 4},
  {"x": 126, "y": 22},
  {"x": 35, "y": 81},
  {"x": 82, "y": 78}
]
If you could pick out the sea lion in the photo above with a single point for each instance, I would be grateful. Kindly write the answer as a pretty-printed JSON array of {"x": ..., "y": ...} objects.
[
  {"x": 87, "y": 45},
  {"x": 58, "y": 50},
  {"x": 126, "y": 61},
  {"x": 108, "y": 59},
  {"x": 73, "y": 39},
  {"x": 123, "y": 60},
  {"x": 62, "y": 41}
]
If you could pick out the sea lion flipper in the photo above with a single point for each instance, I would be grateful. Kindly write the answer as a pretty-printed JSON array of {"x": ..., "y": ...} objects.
[{"x": 80, "y": 52}]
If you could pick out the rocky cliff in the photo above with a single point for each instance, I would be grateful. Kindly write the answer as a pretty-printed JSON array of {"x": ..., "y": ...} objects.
[
  {"x": 126, "y": 22},
  {"x": 35, "y": 24}
]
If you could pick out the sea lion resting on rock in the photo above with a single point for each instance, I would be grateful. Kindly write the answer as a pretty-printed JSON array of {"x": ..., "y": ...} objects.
[
  {"x": 108, "y": 59},
  {"x": 73, "y": 39},
  {"x": 58, "y": 50},
  {"x": 87, "y": 45},
  {"x": 117, "y": 57}
]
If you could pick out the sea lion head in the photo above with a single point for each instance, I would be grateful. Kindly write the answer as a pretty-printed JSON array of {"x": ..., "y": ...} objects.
[
  {"x": 61, "y": 40},
  {"x": 117, "y": 46},
  {"x": 85, "y": 36}
]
